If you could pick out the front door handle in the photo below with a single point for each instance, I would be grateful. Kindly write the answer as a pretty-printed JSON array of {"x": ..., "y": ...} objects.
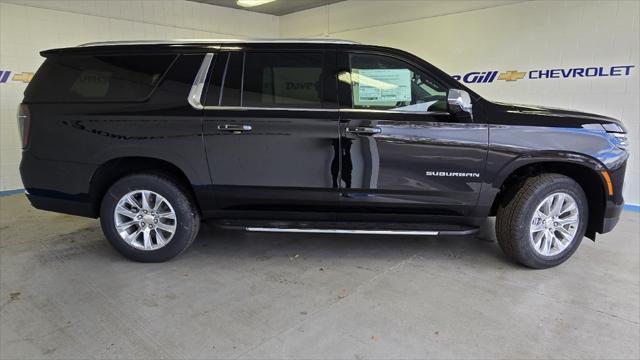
[
  {"x": 364, "y": 130},
  {"x": 234, "y": 128}
]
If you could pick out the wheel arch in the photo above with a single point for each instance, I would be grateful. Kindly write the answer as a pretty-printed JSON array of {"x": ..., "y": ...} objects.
[
  {"x": 584, "y": 170},
  {"x": 114, "y": 169}
]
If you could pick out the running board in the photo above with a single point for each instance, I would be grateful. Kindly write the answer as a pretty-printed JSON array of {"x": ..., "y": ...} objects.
[
  {"x": 361, "y": 232},
  {"x": 343, "y": 231},
  {"x": 347, "y": 227}
]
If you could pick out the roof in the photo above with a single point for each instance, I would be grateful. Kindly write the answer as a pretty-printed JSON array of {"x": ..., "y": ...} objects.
[{"x": 218, "y": 41}]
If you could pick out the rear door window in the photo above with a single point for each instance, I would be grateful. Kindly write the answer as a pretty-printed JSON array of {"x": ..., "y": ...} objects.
[
  {"x": 226, "y": 74},
  {"x": 289, "y": 80},
  {"x": 216, "y": 76},
  {"x": 109, "y": 78},
  {"x": 233, "y": 80}
]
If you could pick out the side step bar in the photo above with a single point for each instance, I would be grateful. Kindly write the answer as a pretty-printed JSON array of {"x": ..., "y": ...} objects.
[
  {"x": 359, "y": 231},
  {"x": 348, "y": 227}
]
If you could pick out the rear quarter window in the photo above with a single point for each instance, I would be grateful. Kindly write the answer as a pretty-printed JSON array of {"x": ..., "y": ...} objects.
[{"x": 111, "y": 78}]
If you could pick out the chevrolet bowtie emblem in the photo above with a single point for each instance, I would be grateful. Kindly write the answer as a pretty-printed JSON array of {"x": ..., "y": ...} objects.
[
  {"x": 25, "y": 77},
  {"x": 511, "y": 75}
]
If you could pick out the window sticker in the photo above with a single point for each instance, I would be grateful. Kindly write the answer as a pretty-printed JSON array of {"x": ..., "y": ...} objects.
[{"x": 376, "y": 86}]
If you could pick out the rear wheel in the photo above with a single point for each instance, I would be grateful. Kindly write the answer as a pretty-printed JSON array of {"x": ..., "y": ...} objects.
[
  {"x": 149, "y": 217},
  {"x": 542, "y": 224}
]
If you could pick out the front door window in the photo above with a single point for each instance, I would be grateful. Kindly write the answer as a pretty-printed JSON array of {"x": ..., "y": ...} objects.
[{"x": 384, "y": 83}]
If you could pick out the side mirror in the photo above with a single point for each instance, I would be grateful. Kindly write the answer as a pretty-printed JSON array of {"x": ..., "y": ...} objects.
[{"x": 459, "y": 103}]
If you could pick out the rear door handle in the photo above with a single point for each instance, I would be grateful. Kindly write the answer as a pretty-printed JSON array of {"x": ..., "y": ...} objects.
[
  {"x": 364, "y": 130},
  {"x": 234, "y": 128}
]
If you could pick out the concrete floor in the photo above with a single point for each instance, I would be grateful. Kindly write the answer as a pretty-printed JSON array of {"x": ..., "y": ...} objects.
[{"x": 64, "y": 293}]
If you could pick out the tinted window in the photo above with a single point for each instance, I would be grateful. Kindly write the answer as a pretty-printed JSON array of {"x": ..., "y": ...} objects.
[
  {"x": 283, "y": 80},
  {"x": 233, "y": 80},
  {"x": 98, "y": 78},
  {"x": 219, "y": 65},
  {"x": 384, "y": 83}
]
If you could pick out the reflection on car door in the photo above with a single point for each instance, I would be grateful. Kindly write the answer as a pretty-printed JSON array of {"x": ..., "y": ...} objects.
[
  {"x": 270, "y": 129},
  {"x": 402, "y": 152}
]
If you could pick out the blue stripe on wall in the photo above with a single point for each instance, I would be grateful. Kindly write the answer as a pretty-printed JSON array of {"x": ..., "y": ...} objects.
[
  {"x": 4, "y": 76},
  {"x": 11, "y": 192},
  {"x": 632, "y": 207}
]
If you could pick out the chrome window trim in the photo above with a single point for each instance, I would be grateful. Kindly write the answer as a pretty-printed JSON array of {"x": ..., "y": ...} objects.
[
  {"x": 396, "y": 111},
  {"x": 240, "y": 108},
  {"x": 195, "y": 94}
]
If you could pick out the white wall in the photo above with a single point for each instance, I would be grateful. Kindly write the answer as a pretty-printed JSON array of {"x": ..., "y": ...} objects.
[
  {"x": 29, "y": 26},
  {"x": 464, "y": 36},
  {"x": 457, "y": 36}
]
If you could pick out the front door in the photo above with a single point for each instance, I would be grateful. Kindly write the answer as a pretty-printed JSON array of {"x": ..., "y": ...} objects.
[
  {"x": 402, "y": 152},
  {"x": 271, "y": 132}
]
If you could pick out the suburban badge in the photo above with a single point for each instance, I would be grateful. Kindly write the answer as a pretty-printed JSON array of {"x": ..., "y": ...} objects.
[{"x": 452, "y": 174}]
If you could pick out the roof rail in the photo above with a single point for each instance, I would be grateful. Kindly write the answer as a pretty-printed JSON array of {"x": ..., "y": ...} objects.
[{"x": 217, "y": 41}]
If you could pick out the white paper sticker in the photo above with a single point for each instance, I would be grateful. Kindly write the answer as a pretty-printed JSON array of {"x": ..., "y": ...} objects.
[{"x": 382, "y": 85}]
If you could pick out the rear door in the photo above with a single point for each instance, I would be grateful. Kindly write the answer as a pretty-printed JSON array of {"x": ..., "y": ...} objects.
[
  {"x": 402, "y": 152},
  {"x": 271, "y": 131}
]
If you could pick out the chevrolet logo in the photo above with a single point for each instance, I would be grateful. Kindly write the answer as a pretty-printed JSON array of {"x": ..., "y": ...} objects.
[
  {"x": 25, "y": 77},
  {"x": 511, "y": 75}
]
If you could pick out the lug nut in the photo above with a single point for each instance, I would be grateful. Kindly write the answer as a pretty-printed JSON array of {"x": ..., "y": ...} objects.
[
  {"x": 150, "y": 226},
  {"x": 155, "y": 221},
  {"x": 139, "y": 216},
  {"x": 142, "y": 224}
]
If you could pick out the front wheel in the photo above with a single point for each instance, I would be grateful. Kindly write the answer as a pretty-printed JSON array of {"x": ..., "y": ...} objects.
[
  {"x": 542, "y": 224},
  {"x": 149, "y": 217}
]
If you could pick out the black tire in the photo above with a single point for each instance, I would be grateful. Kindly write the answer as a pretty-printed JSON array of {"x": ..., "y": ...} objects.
[
  {"x": 187, "y": 222},
  {"x": 516, "y": 211}
]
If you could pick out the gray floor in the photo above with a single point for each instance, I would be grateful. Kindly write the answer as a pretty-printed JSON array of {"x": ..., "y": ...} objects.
[{"x": 64, "y": 293}]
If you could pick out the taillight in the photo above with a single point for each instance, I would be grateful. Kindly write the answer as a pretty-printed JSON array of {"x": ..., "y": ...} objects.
[{"x": 24, "y": 123}]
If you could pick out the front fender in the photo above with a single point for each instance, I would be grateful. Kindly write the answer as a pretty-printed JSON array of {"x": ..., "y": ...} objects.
[
  {"x": 581, "y": 153},
  {"x": 546, "y": 156}
]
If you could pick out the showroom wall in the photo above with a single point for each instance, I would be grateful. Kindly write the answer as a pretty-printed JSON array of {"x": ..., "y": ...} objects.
[
  {"x": 29, "y": 26},
  {"x": 534, "y": 36},
  {"x": 458, "y": 36}
]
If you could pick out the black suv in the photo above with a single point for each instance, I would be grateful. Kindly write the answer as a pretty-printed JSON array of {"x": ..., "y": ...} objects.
[{"x": 312, "y": 136}]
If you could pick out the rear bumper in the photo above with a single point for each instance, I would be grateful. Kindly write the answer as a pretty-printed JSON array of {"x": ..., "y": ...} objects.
[
  {"x": 60, "y": 205},
  {"x": 58, "y": 186}
]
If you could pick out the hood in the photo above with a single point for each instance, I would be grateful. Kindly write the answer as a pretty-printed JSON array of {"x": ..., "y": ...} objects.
[{"x": 514, "y": 114}]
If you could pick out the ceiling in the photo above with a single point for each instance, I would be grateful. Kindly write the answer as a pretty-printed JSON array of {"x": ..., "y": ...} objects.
[{"x": 278, "y": 7}]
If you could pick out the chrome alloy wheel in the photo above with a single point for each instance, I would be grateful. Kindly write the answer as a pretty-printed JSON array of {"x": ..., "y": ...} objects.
[
  {"x": 145, "y": 220},
  {"x": 554, "y": 224}
]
